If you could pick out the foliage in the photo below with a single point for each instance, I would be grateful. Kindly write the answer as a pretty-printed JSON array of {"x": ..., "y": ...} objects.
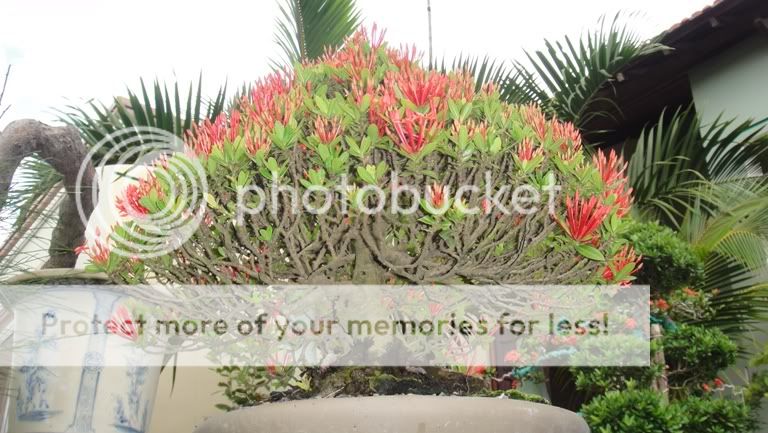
[
  {"x": 633, "y": 410},
  {"x": 757, "y": 390},
  {"x": 598, "y": 380},
  {"x": 714, "y": 415},
  {"x": 308, "y": 29},
  {"x": 669, "y": 263},
  {"x": 695, "y": 355},
  {"x": 641, "y": 411},
  {"x": 249, "y": 386},
  {"x": 565, "y": 77},
  {"x": 158, "y": 108},
  {"x": 514, "y": 394},
  {"x": 361, "y": 113},
  {"x": 678, "y": 162},
  {"x": 4, "y": 110}
]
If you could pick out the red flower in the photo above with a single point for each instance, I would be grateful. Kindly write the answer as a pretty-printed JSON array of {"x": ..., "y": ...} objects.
[
  {"x": 129, "y": 205},
  {"x": 706, "y": 387},
  {"x": 583, "y": 217},
  {"x": 413, "y": 130},
  {"x": 98, "y": 255},
  {"x": 327, "y": 130},
  {"x": 623, "y": 258},
  {"x": 476, "y": 370},
  {"x": 420, "y": 87},
  {"x": 436, "y": 195},
  {"x": 630, "y": 323},
  {"x": 718, "y": 383},
  {"x": 535, "y": 119},
  {"x": 121, "y": 324},
  {"x": 661, "y": 304},
  {"x": 611, "y": 168},
  {"x": 622, "y": 199},
  {"x": 526, "y": 151},
  {"x": 569, "y": 138},
  {"x": 690, "y": 292},
  {"x": 485, "y": 204},
  {"x": 512, "y": 356},
  {"x": 435, "y": 308},
  {"x": 256, "y": 140}
]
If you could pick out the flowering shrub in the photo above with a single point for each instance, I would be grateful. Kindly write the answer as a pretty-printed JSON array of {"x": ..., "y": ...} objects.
[{"x": 368, "y": 116}]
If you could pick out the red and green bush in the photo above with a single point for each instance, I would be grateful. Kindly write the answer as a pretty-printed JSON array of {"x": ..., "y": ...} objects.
[{"x": 361, "y": 114}]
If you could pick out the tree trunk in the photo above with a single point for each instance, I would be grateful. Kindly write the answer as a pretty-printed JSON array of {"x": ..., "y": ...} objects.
[{"x": 62, "y": 148}]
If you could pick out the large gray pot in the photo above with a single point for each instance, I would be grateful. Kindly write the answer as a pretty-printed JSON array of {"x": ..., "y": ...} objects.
[{"x": 398, "y": 414}]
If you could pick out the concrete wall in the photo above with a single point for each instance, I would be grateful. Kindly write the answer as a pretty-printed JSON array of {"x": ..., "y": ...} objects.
[{"x": 734, "y": 83}]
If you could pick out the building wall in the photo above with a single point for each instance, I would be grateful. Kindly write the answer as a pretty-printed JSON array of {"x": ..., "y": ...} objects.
[{"x": 735, "y": 83}]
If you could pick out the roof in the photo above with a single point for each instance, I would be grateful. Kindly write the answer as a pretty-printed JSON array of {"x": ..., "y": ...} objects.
[{"x": 648, "y": 85}]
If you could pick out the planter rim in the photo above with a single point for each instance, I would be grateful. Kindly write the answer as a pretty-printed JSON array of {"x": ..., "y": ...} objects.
[
  {"x": 407, "y": 412},
  {"x": 52, "y": 273}
]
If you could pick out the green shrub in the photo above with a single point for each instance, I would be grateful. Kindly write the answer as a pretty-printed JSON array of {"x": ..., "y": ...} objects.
[
  {"x": 603, "y": 379},
  {"x": 669, "y": 263},
  {"x": 696, "y": 354},
  {"x": 706, "y": 415},
  {"x": 632, "y": 411}
]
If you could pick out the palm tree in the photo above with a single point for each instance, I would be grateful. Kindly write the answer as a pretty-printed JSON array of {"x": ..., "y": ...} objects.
[{"x": 709, "y": 186}]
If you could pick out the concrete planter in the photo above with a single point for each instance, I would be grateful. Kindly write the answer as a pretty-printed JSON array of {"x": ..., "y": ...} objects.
[{"x": 398, "y": 414}]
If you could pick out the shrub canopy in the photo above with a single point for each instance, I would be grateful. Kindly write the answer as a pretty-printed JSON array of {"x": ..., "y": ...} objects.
[{"x": 369, "y": 116}]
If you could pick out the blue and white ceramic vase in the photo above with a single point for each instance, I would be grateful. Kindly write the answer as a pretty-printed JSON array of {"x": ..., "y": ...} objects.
[{"x": 71, "y": 374}]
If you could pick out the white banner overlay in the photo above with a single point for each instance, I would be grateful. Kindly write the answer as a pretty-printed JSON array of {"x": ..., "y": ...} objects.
[{"x": 330, "y": 325}]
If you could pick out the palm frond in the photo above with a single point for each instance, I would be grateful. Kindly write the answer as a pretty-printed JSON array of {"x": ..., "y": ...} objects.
[
  {"x": 484, "y": 69},
  {"x": 565, "y": 77},
  {"x": 740, "y": 301},
  {"x": 306, "y": 28},
  {"x": 159, "y": 107},
  {"x": 4, "y": 110},
  {"x": 675, "y": 166}
]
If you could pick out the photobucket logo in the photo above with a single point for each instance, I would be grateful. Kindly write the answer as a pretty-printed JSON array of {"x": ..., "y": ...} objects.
[
  {"x": 433, "y": 199},
  {"x": 130, "y": 159}
]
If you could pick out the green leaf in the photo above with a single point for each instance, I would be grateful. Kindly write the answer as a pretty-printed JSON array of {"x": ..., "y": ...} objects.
[{"x": 590, "y": 252}]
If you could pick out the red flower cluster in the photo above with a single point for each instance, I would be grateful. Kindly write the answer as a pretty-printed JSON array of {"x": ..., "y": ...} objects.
[
  {"x": 98, "y": 255},
  {"x": 327, "y": 130},
  {"x": 121, "y": 324},
  {"x": 437, "y": 196},
  {"x": 612, "y": 170},
  {"x": 623, "y": 258},
  {"x": 129, "y": 205},
  {"x": 568, "y": 137},
  {"x": 526, "y": 151},
  {"x": 583, "y": 217}
]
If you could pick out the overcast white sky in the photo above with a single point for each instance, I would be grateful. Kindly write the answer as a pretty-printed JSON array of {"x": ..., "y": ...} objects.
[{"x": 68, "y": 51}]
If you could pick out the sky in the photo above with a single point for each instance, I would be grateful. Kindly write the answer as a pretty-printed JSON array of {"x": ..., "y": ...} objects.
[{"x": 67, "y": 52}]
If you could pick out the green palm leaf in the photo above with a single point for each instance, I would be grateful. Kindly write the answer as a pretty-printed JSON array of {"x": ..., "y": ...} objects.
[
  {"x": 674, "y": 166},
  {"x": 564, "y": 78},
  {"x": 306, "y": 28},
  {"x": 484, "y": 69},
  {"x": 158, "y": 107}
]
